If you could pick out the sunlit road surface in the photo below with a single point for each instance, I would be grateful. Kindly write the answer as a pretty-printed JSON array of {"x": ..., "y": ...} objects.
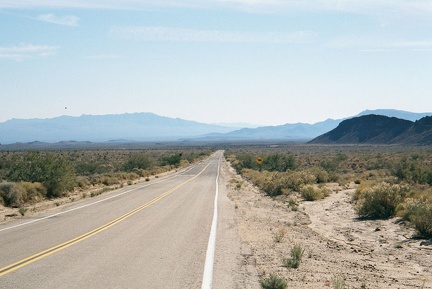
[{"x": 150, "y": 235}]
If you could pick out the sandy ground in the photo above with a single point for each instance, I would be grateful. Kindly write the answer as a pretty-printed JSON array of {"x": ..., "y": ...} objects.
[{"x": 366, "y": 254}]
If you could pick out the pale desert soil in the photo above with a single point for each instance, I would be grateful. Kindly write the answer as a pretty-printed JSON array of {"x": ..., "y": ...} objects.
[{"x": 367, "y": 254}]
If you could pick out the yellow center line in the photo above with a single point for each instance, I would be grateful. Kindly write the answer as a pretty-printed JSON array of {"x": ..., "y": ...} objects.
[{"x": 33, "y": 258}]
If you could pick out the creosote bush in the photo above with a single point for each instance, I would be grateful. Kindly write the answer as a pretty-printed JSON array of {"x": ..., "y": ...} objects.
[
  {"x": 27, "y": 177},
  {"x": 380, "y": 201},
  {"x": 419, "y": 213},
  {"x": 16, "y": 194},
  {"x": 273, "y": 282},
  {"x": 312, "y": 193}
]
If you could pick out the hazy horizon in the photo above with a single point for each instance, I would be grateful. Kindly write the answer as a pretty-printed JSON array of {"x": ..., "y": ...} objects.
[{"x": 233, "y": 124}]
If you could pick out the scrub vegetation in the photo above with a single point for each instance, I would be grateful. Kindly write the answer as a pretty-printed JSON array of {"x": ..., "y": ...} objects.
[
  {"x": 28, "y": 177},
  {"x": 391, "y": 181}
]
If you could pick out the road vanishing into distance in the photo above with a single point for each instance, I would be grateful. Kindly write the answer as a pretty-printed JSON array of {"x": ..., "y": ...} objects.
[{"x": 157, "y": 234}]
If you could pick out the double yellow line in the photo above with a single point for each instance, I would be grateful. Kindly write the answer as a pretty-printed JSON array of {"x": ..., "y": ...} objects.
[{"x": 33, "y": 258}]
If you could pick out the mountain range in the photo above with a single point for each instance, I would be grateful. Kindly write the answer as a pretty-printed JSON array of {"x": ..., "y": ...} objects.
[
  {"x": 103, "y": 128},
  {"x": 138, "y": 127},
  {"x": 379, "y": 129},
  {"x": 303, "y": 131}
]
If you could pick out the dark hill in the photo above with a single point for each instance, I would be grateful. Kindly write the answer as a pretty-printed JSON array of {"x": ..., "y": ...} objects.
[
  {"x": 378, "y": 129},
  {"x": 419, "y": 133},
  {"x": 303, "y": 131}
]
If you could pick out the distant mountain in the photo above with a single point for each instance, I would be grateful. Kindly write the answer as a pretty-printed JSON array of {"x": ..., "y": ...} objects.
[
  {"x": 238, "y": 125},
  {"x": 412, "y": 116},
  {"x": 102, "y": 128},
  {"x": 297, "y": 132},
  {"x": 138, "y": 127},
  {"x": 303, "y": 131},
  {"x": 378, "y": 129}
]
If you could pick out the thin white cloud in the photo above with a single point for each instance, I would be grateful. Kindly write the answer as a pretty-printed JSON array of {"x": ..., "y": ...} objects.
[
  {"x": 68, "y": 20},
  {"x": 26, "y": 51},
  {"x": 374, "y": 44},
  {"x": 156, "y": 33},
  {"x": 360, "y": 6},
  {"x": 104, "y": 56},
  {"x": 414, "y": 44}
]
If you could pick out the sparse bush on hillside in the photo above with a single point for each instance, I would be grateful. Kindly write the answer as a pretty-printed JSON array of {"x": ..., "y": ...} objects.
[{"x": 380, "y": 201}]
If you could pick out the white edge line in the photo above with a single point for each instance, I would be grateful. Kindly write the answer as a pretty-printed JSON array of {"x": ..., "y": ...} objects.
[
  {"x": 91, "y": 204},
  {"x": 209, "y": 261}
]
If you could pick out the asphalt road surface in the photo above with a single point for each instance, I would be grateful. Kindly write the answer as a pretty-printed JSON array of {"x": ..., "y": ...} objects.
[{"x": 150, "y": 235}]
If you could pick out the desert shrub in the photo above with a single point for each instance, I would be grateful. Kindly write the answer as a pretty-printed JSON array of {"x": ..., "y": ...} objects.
[
  {"x": 86, "y": 168},
  {"x": 53, "y": 171},
  {"x": 171, "y": 160},
  {"x": 297, "y": 252},
  {"x": 140, "y": 162},
  {"x": 273, "y": 282},
  {"x": 22, "y": 211},
  {"x": 313, "y": 193},
  {"x": 321, "y": 175},
  {"x": 380, "y": 201},
  {"x": 32, "y": 192},
  {"x": 412, "y": 169},
  {"x": 256, "y": 177},
  {"x": 109, "y": 181},
  {"x": 279, "y": 162},
  {"x": 11, "y": 195},
  {"x": 273, "y": 186},
  {"x": 293, "y": 204},
  {"x": 295, "y": 180},
  {"x": 331, "y": 165},
  {"x": 83, "y": 182},
  {"x": 419, "y": 213}
]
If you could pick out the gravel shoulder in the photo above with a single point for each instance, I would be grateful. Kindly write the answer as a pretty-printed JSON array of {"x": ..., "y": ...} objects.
[{"x": 366, "y": 254}]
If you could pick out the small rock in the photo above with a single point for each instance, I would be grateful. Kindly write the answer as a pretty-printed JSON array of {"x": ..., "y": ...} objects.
[{"x": 426, "y": 243}]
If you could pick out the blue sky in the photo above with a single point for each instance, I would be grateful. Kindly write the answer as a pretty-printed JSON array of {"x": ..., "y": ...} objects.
[{"x": 215, "y": 61}]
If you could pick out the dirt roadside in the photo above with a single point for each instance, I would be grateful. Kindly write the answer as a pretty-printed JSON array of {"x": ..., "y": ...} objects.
[
  {"x": 30, "y": 210},
  {"x": 366, "y": 254}
]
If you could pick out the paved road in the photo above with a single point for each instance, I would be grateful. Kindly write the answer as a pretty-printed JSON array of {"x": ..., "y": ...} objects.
[{"x": 151, "y": 235}]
